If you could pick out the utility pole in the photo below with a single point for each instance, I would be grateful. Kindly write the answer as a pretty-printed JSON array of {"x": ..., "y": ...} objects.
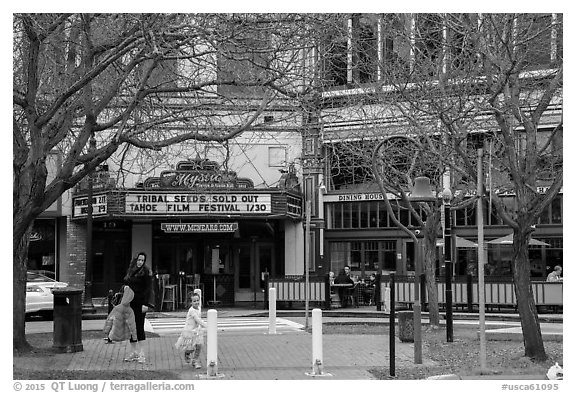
[
  {"x": 87, "y": 305},
  {"x": 447, "y": 198},
  {"x": 481, "y": 256}
]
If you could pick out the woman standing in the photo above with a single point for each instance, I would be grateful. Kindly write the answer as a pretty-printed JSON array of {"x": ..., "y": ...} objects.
[{"x": 139, "y": 279}]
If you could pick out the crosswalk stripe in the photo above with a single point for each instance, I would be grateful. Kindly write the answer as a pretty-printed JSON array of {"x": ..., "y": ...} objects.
[{"x": 170, "y": 326}]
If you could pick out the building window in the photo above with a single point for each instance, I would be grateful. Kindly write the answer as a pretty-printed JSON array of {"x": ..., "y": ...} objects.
[
  {"x": 556, "y": 210},
  {"x": 42, "y": 246},
  {"x": 277, "y": 156},
  {"x": 310, "y": 146},
  {"x": 552, "y": 214},
  {"x": 542, "y": 30},
  {"x": 363, "y": 257},
  {"x": 309, "y": 188}
]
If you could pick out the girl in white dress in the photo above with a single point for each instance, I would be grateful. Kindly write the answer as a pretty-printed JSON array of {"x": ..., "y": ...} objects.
[{"x": 192, "y": 336}]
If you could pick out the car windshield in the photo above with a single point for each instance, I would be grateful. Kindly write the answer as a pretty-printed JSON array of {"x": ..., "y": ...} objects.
[{"x": 37, "y": 277}]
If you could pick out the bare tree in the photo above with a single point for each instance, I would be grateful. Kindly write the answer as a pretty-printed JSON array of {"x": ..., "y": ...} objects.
[
  {"x": 146, "y": 81},
  {"x": 369, "y": 156},
  {"x": 492, "y": 82}
]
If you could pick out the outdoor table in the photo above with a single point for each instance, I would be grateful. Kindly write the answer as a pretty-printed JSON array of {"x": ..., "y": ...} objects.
[{"x": 351, "y": 286}]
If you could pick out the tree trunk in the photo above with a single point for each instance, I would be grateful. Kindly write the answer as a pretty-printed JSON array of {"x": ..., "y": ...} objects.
[
  {"x": 533, "y": 343},
  {"x": 430, "y": 272},
  {"x": 20, "y": 255}
]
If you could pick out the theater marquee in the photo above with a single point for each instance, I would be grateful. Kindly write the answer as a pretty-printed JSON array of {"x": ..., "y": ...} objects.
[{"x": 151, "y": 203}]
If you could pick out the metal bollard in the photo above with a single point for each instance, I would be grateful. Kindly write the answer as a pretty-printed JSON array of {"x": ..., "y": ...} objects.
[
  {"x": 272, "y": 311},
  {"x": 317, "y": 357},
  {"x": 387, "y": 300}
]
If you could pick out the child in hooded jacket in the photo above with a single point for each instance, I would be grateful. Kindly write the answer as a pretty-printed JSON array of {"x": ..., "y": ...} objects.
[
  {"x": 192, "y": 336},
  {"x": 121, "y": 326}
]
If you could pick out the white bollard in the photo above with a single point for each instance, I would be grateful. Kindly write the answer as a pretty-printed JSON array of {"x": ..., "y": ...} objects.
[
  {"x": 199, "y": 292},
  {"x": 272, "y": 311},
  {"x": 317, "y": 357},
  {"x": 317, "y": 361},
  {"x": 212, "y": 344},
  {"x": 387, "y": 300}
]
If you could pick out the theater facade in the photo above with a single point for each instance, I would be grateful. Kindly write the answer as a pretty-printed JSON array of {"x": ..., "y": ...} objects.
[{"x": 196, "y": 220}]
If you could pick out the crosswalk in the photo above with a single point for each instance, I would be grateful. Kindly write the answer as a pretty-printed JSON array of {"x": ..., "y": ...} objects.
[{"x": 173, "y": 326}]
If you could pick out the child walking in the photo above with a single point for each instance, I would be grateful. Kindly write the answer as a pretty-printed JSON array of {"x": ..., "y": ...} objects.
[
  {"x": 192, "y": 336},
  {"x": 121, "y": 326}
]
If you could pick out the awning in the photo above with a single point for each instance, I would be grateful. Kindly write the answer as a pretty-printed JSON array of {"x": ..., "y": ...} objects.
[
  {"x": 460, "y": 243},
  {"x": 508, "y": 239}
]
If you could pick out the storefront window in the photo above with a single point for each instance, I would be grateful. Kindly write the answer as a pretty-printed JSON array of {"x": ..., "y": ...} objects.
[
  {"x": 339, "y": 255},
  {"x": 383, "y": 221},
  {"x": 553, "y": 253},
  {"x": 373, "y": 214},
  {"x": 363, "y": 257},
  {"x": 371, "y": 256},
  {"x": 404, "y": 214},
  {"x": 356, "y": 256},
  {"x": 346, "y": 221},
  {"x": 356, "y": 208},
  {"x": 42, "y": 247},
  {"x": 556, "y": 208}
]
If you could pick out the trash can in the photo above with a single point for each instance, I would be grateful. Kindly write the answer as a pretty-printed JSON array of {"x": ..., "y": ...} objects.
[
  {"x": 406, "y": 326},
  {"x": 68, "y": 320}
]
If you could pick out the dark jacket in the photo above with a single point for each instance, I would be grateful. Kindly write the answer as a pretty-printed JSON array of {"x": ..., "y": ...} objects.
[
  {"x": 140, "y": 280},
  {"x": 342, "y": 278}
]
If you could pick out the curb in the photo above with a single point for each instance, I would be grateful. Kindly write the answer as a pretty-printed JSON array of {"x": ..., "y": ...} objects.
[{"x": 337, "y": 314}]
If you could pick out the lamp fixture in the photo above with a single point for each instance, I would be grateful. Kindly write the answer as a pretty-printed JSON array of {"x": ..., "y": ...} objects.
[{"x": 422, "y": 192}]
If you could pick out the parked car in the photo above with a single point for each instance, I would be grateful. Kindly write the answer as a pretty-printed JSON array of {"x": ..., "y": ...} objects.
[{"x": 39, "y": 297}]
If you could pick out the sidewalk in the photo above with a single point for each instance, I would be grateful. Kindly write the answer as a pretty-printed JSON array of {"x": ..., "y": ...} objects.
[
  {"x": 248, "y": 356},
  {"x": 258, "y": 355}
]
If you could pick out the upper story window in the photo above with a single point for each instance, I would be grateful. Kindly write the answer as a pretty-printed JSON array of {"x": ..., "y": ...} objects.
[
  {"x": 277, "y": 156},
  {"x": 349, "y": 164},
  {"x": 544, "y": 47},
  {"x": 365, "y": 48},
  {"x": 365, "y": 215}
]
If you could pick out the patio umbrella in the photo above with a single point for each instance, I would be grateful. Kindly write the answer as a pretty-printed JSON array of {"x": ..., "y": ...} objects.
[
  {"x": 460, "y": 243},
  {"x": 508, "y": 240}
]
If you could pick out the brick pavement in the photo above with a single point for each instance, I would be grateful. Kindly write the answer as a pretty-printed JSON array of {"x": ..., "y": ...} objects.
[{"x": 250, "y": 356}]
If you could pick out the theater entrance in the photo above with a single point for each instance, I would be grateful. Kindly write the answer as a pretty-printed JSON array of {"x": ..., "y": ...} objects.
[
  {"x": 254, "y": 260},
  {"x": 229, "y": 268}
]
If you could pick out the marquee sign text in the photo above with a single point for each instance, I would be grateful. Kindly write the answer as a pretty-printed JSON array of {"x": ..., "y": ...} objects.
[
  {"x": 196, "y": 227},
  {"x": 99, "y": 206},
  {"x": 202, "y": 204}
]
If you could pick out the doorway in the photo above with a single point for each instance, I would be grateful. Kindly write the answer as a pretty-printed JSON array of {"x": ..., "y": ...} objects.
[
  {"x": 109, "y": 263},
  {"x": 252, "y": 260},
  {"x": 171, "y": 256}
]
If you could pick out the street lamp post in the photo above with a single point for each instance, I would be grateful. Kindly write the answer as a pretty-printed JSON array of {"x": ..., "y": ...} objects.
[
  {"x": 307, "y": 261},
  {"x": 447, "y": 198},
  {"x": 87, "y": 305},
  {"x": 422, "y": 192}
]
